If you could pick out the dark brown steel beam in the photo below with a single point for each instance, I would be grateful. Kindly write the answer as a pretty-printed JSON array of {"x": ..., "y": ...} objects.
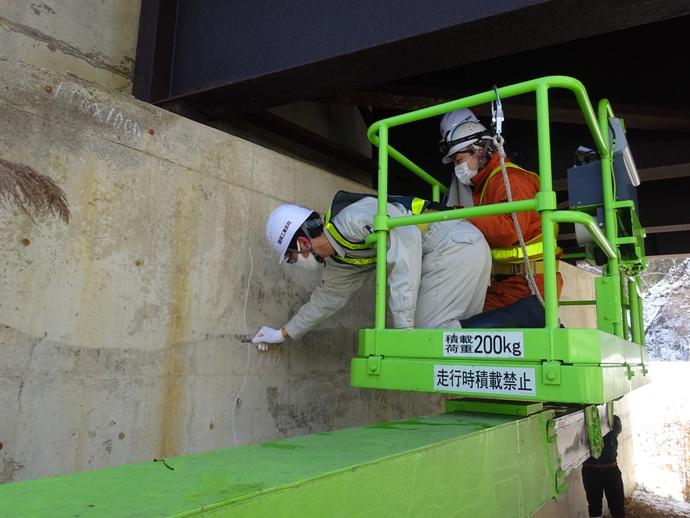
[
  {"x": 409, "y": 98},
  {"x": 300, "y": 135},
  {"x": 153, "y": 70},
  {"x": 243, "y": 56}
]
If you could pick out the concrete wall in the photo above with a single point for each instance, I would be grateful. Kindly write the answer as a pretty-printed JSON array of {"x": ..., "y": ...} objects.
[{"x": 121, "y": 331}]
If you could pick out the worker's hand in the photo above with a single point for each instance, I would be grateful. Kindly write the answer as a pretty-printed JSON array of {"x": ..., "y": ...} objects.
[{"x": 267, "y": 336}]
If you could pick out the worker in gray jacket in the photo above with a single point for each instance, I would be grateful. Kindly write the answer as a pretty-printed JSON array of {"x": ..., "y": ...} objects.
[{"x": 438, "y": 273}]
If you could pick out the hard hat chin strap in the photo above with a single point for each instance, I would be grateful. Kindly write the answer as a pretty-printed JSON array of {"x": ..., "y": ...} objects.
[
  {"x": 312, "y": 223},
  {"x": 317, "y": 256}
]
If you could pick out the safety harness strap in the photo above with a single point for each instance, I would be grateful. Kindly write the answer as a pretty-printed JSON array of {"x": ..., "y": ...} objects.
[
  {"x": 343, "y": 199},
  {"x": 496, "y": 170}
]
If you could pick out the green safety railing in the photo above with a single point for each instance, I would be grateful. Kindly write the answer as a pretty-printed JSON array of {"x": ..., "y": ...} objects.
[{"x": 616, "y": 295}]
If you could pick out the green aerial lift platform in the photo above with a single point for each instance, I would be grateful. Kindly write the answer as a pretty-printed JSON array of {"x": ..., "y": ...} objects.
[
  {"x": 528, "y": 405},
  {"x": 586, "y": 366}
]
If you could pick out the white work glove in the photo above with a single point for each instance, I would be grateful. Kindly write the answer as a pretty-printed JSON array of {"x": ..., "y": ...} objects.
[{"x": 267, "y": 336}]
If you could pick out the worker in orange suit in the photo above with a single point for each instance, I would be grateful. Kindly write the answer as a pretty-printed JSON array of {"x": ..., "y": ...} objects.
[{"x": 478, "y": 180}]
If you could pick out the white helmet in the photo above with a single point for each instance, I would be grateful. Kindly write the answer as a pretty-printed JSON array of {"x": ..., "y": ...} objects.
[
  {"x": 452, "y": 119},
  {"x": 282, "y": 224},
  {"x": 460, "y": 129}
]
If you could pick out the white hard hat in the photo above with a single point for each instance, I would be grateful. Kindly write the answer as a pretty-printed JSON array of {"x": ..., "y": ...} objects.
[
  {"x": 460, "y": 129},
  {"x": 282, "y": 224},
  {"x": 452, "y": 119}
]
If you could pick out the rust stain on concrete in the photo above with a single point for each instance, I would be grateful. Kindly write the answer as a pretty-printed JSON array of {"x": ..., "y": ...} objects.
[{"x": 174, "y": 376}]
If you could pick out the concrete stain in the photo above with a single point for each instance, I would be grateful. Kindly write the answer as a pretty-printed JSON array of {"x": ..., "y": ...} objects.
[
  {"x": 9, "y": 468},
  {"x": 39, "y": 9},
  {"x": 171, "y": 411},
  {"x": 171, "y": 406}
]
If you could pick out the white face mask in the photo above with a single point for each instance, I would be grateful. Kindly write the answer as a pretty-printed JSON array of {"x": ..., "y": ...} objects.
[
  {"x": 464, "y": 174},
  {"x": 310, "y": 263}
]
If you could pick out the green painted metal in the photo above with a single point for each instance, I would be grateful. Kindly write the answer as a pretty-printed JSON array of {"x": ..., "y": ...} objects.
[
  {"x": 380, "y": 230},
  {"x": 596, "y": 439},
  {"x": 586, "y": 366},
  {"x": 582, "y": 384},
  {"x": 570, "y": 346},
  {"x": 636, "y": 310},
  {"x": 491, "y": 406},
  {"x": 546, "y": 190},
  {"x": 453, "y": 464},
  {"x": 591, "y": 225}
]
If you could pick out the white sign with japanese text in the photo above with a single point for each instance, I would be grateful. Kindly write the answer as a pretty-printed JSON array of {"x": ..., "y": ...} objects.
[
  {"x": 512, "y": 381},
  {"x": 484, "y": 344}
]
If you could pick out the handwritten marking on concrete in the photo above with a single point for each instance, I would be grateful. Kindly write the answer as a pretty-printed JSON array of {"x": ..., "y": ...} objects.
[
  {"x": 271, "y": 357},
  {"x": 104, "y": 112}
]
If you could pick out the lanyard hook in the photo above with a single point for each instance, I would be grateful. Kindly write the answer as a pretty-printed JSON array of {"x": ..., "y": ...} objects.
[{"x": 497, "y": 113}]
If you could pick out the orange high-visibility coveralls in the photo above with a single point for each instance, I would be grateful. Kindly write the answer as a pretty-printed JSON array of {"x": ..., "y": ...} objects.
[{"x": 499, "y": 230}]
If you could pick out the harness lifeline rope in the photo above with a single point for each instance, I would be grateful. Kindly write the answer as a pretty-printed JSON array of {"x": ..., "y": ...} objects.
[{"x": 498, "y": 140}]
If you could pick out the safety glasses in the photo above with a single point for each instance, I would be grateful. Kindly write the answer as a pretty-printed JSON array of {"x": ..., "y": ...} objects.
[{"x": 289, "y": 258}]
